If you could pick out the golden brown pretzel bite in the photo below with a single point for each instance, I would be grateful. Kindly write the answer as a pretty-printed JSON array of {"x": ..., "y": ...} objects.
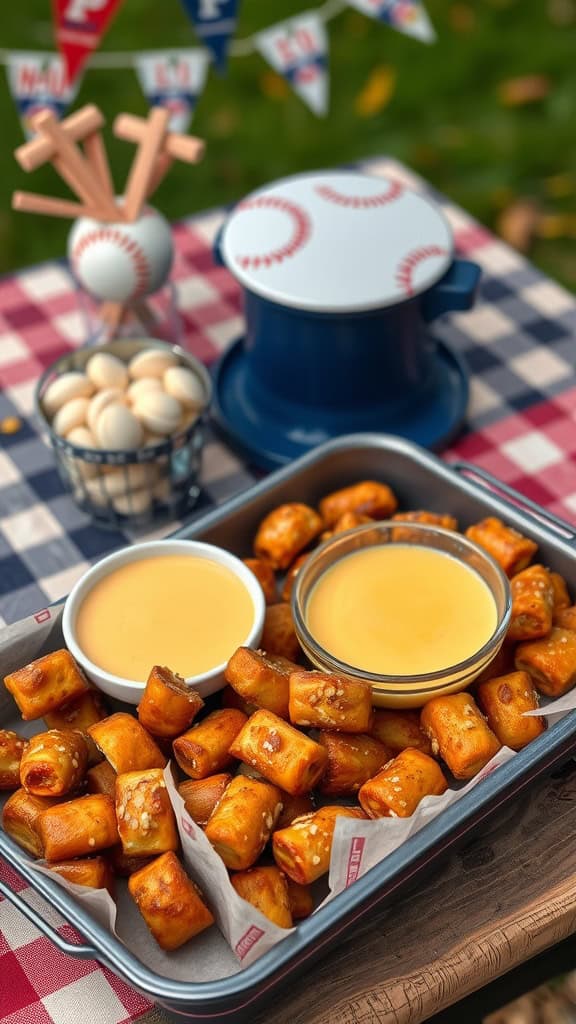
[
  {"x": 532, "y": 604},
  {"x": 94, "y": 873},
  {"x": 126, "y": 744},
  {"x": 347, "y": 521},
  {"x": 368, "y": 498},
  {"x": 459, "y": 733},
  {"x": 294, "y": 807},
  {"x": 303, "y": 849},
  {"x": 443, "y": 519},
  {"x": 398, "y": 730},
  {"x": 124, "y": 864},
  {"x": 566, "y": 617},
  {"x": 79, "y": 714},
  {"x": 146, "y": 822},
  {"x": 396, "y": 791},
  {"x": 11, "y": 748},
  {"x": 54, "y": 762},
  {"x": 551, "y": 662},
  {"x": 78, "y": 827},
  {"x": 330, "y": 702},
  {"x": 352, "y": 760},
  {"x": 261, "y": 679},
  {"x": 511, "y": 549},
  {"x": 46, "y": 683},
  {"x": 300, "y": 900},
  {"x": 205, "y": 748},
  {"x": 20, "y": 819},
  {"x": 201, "y": 796},
  {"x": 101, "y": 778},
  {"x": 561, "y": 595},
  {"x": 290, "y": 577},
  {"x": 282, "y": 754},
  {"x": 231, "y": 699},
  {"x": 266, "y": 888},
  {"x": 168, "y": 706},
  {"x": 279, "y": 636},
  {"x": 170, "y": 903},
  {"x": 285, "y": 532},
  {"x": 242, "y": 821},
  {"x": 504, "y": 700},
  {"x": 264, "y": 573}
]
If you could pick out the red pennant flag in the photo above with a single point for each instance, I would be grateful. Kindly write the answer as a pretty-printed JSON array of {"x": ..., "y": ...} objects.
[{"x": 80, "y": 25}]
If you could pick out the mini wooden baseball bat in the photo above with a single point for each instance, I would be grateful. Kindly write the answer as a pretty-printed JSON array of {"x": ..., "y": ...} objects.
[
  {"x": 187, "y": 148},
  {"x": 33, "y": 154},
  {"x": 31, "y": 202},
  {"x": 142, "y": 168}
]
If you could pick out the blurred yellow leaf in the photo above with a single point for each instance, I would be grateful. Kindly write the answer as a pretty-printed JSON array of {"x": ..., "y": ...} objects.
[
  {"x": 560, "y": 185},
  {"x": 274, "y": 86},
  {"x": 557, "y": 225},
  {"x": 517, "y": 223},
  {"x": 515, "y": 92},
  {"x": 377, "y": 92},
  {"x": 10, "y": 425},
  {"x": 224, "y": 123},
  {"x": 462, "y": 18},
  {"x": 562, "y": 12}
]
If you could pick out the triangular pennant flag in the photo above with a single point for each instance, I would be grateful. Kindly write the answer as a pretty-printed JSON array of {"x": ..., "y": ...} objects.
[
  {"x": 215, "y": 23},
  {"x": 79, "y": 27},
  {"x": 173, "y": 79},
  {"x": 37, "y": 81},
  {"x": 407, "y": 16},
  {"x": 298, "y": 49}
]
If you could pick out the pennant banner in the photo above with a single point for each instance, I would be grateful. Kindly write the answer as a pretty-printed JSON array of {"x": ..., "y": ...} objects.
[
  {"x": 298, "y": 49},
  {"x": 407, "y": 16},
  {"x": 79, "y": 27},
  {"x": 38, "y": 81},
  {"x": 215, "y": 23},
  {"x": 173, "y": 79}
]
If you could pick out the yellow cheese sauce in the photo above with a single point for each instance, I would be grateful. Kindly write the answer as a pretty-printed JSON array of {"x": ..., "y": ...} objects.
[
  {"x": 182, "y": 611},
  {"x": 401, "y": 609}
]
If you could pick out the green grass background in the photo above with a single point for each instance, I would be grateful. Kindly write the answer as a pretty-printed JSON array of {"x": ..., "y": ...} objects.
[{"x": 445, "y": 118}]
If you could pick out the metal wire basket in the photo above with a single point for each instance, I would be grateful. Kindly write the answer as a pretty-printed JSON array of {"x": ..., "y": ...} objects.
[{"x": 130, "y": 488}]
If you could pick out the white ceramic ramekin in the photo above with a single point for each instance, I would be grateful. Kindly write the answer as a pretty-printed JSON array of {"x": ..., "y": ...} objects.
[{"x": 131, "y": 690}]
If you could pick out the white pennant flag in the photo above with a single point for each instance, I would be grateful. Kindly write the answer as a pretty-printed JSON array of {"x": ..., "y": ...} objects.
[
  {"x": 37, "y": 81},
  {"x": 407, "y": 16},
  {"x": 298, "y": 50},
  {"x": 173, "y": 79}
]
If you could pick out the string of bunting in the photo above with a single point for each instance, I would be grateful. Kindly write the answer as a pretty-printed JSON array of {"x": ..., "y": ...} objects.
[{"x": 296, "y": 48}]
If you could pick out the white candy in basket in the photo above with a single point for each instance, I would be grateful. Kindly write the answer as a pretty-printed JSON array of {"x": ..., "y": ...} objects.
[
  {"x": 185, "y": 386},
  {"x": 99, "y": 403},
  {"x": 158, "y": 411},
  {"x": 82, "y": 437},
  {"x": 72, "y": 414},
  {"x": 129, "y": 478},
  {"x": 118, "y": 429},
  {"x": 138, "y": 387},
  {"x": 133, "y": 503},
  {"x": 152, "y": 362},
  {"x": 107, "y": 371},
  {"x": 64, "y": 389}
]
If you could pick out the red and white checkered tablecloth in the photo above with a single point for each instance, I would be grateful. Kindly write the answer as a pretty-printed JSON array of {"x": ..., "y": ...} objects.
[{"x": 520, "y": 344}]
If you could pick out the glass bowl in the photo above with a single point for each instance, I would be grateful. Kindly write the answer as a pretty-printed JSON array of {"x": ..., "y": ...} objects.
[{"x": 397, "y": 691}]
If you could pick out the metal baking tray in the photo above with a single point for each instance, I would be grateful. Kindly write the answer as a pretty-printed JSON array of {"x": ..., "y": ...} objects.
[{"x": 421, "y": 481}]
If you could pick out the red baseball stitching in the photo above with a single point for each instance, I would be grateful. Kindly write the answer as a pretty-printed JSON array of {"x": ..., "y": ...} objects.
[
  {"x": 137, "y": 256},
  {"x": 360, "y": 202},
  {"x": 406, "y": 268},
  {"x": 300, "y": 233}
]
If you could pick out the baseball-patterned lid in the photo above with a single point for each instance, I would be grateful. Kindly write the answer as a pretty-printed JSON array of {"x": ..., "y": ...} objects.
[{"x": 336, "y": 242}]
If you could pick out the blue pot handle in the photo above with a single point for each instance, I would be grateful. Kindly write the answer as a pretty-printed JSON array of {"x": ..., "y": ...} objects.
[{"x": 456, "y": 290}]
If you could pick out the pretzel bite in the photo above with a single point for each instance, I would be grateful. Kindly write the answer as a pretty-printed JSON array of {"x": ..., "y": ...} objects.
[
  {"x": 206, "y": 748},
  {"x": 282, "y": 754},
  {"x": 551, "y": 662},
  {"x": 279, "y": 636},
  {"x": 20, "y": 819},
  {"x": 11, "y": 748},
  {"x": 398, "y": 730},
  {"x": 459, "y": 733},
  {"x": 396, "y": 791},
  {"x": 78, "y": 827},
  {"x": 352, "y": 760},
  {"x": 293, "y": 807},
  {"x": 566, "y": 617},
  {"x": 303, "y": 849},
  {"x": 201, "y": 796},
  {"x": 126, "y": 744},
  {"x": 509, "y": 548},
  {"x": 330, "y": 702},
  {"x": 368, "y": 498},
  {"x": 54, "y": 762},
  {"x": 561, "y": 596},
  {"x": 504, "y": 700},
  {"x": 45, "y": 684},
  {"x": 443, "y": 519},
  {"x": 266, "y": 889},
  {"x": 532, "y": 604},
  {"x": 347, "y": 521},
  {"x": 299, "y": 899},
  {"x": 231, "y": 699},
  {"x": 94, "y": 873},
  {"x": 79, "y": 714},
  {"x": 168, "y": 706},
  {"x": 290, "y": 577},
  {"x": 146, "y": 822},
  {"x": 285, "y": 532},
  {"x": 500, "y": 665},
  {"x": 242, "y": 822},
  {"x": 170, "y": 903},
  {"x": 124, "y": 864},
  {"x": 101, "y": 778},
  {"x": 264, "y": 573},
  {"x": 260, "y": 678}
]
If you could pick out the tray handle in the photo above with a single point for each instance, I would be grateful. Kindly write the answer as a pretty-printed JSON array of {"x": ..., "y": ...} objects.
[
  {"x": 484, "y": 481},
  {"x": 69, "y": 948}
]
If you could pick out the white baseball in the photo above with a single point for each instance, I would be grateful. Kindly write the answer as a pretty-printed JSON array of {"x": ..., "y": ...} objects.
[{"x": 120, "y": 262}]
